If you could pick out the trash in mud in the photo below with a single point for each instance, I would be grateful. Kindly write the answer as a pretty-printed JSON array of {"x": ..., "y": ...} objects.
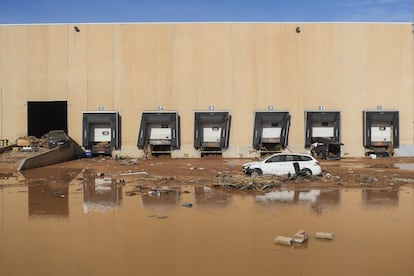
[
  {"x": 129, "y": 162},
  {"x": 195, "y": 168},
  {"x": 154, "y": 193},
  {"x": 324, "y": 235},
  {"x": 132, "y": 173},
  {"x": 301, "y": 236},
  {"x": 242, "y": 182},
  {"x": 187, "y": 204},
  {"x": 29, "y": 149},
  {"x": 283, "y": 240}
]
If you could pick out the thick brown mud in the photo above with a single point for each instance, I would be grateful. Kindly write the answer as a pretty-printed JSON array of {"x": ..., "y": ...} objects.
[{"x": 166, "y": 217}]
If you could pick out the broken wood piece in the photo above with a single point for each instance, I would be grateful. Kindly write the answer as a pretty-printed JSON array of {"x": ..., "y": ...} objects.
[
  {"x": 283, "y": 240},
  {"x": 324, "y": 235},
  {"x": 301, "y": 236}
]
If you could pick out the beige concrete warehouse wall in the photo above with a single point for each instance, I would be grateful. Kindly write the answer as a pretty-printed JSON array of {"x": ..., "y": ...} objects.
[{"x": 185, "y": 67}]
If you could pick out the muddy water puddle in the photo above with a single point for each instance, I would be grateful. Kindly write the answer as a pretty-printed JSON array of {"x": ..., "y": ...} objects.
[{"x": 67, "y": 223}]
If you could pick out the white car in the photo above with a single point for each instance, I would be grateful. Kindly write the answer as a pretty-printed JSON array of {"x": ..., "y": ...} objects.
[{"x": 284, "y": 163}]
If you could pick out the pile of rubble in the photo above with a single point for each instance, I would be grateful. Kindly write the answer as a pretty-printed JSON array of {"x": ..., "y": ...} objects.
[{"x": 245, "y": 182}]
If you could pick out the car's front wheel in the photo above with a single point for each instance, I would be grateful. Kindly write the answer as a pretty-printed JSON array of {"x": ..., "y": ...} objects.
[
  {"x": 256, "y": 173},
  {"x": 307, "y": 172}
]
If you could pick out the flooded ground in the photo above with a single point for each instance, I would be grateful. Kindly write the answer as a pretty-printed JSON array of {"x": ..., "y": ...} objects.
[{"x": 123, "y": 219}]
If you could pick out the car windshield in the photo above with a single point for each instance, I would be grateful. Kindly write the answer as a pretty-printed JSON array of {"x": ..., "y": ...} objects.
[
  {"x": 57, "y": 135},
  {"x": 277, "y": 158}
]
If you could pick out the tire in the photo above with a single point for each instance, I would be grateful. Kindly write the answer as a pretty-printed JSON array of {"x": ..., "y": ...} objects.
[
  {"x": 256, "y": 173},
  {"x": 307, "y": 172}
]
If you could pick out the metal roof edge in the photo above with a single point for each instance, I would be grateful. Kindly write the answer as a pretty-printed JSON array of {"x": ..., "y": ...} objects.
[{"x": 200, "y": 22}]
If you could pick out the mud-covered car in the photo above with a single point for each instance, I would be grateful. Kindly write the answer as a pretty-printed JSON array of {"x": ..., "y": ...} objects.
[
  {"x": 56, "y": 138},
  {"x": 283, "y": 164}
]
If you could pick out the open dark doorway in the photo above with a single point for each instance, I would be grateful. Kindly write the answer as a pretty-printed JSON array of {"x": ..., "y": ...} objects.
[{"x": 45, "y": 116}]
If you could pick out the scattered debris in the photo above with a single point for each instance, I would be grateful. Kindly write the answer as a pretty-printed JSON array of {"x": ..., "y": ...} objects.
[
  {"x": 132, "y": 173},
  {"x": 131, "y": 193},
  {"x": 195, "y": 168},
  {"x": 129, "y": 162},
  {"x": 301, "y": 236},
  {"x": 29, "y": 149},
  {"x": 242, "y": 182},
  {"x": 154, "y": 193},
  {"x": 324, "y": 235},
  {"x": 283, "y": 240}
]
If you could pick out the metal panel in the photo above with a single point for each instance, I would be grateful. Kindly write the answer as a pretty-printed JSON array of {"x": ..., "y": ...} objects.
[
  {"x": 101, "y": 119},
  {"x": 270, "y": 123},
  {"x": 102, "y": 134},
  {"x": 159, "y": 127},
  {"x": 380, "y": 119},
  {"x": 211, "y": 120},
  {"x": 317, "y": 120}
]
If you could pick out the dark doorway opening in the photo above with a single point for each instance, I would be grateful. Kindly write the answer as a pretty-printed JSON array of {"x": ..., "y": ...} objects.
[{"x": 45, "y": 116}]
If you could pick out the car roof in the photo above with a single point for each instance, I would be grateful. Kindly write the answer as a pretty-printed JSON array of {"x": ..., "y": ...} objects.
[{"x": 289, "y": 153}]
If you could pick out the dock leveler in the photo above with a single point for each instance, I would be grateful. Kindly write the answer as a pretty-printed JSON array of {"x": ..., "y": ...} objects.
[
  {"x": 381, "y": 132},
  {"x": 101, "y": 131},
  {"x": 322, "y": 133},
  {"x": 211, "y": 131},
  {"x": 159, "y": 132},
  {"x": 271, "y": 130}
]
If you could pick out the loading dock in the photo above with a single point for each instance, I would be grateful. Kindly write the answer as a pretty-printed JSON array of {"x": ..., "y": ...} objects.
[
  {"x": 381, "y": 132},
  {"x": 101, "y": 131},
  {"x": 322, "y": 133},
  {"x": 211, "y": 131},
  {"x": 271, "y": 130},
  {"x": 43, "y": 116},
  {"x": 159, "y": 132}
]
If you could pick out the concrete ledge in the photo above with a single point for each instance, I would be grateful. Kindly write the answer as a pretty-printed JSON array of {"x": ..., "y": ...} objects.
[
  {"x": 52, "y": 156},
  {"x": 9, "y": 147}
]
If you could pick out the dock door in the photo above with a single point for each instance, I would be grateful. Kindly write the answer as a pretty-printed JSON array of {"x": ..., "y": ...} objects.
[
  {"x": 211, "y": 131},
  {"x": 381, "y": 132},
  {"x": 159, "y": 132},
  {"x": 271, "y": 130},
  {"x": 101, "y": 131},
  {"x": 322, "y": 133}
]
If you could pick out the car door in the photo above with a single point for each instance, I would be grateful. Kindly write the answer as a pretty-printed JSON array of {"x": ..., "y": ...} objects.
[
  {"x": 288, "y": 164},
  {"x": 271, "y": 165},
  {"x": 277, "y": 165}
]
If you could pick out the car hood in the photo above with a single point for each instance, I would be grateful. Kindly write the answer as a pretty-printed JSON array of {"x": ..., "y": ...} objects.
[{"x": 251, "y": 163}]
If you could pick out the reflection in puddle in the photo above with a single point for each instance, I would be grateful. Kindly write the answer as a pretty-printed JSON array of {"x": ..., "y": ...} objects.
[
  {"x": 316, "y": 198},
  {"x": 100, "y": 194},
  {"x": 171, "y": 198},
  {"x": 48, "y": 191},
  {"x": 380, "y": 197},
  {"x": 312, "y": 196},
  {"x": 206, "y": 197},
  {"x": 48, "y": 200},
  {"x": 406, "y": 166}
]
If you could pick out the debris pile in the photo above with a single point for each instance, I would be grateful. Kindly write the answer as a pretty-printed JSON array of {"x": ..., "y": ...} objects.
[
  {"x": 301, "y": 237},
  {"x": 244, "y": 182}
]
